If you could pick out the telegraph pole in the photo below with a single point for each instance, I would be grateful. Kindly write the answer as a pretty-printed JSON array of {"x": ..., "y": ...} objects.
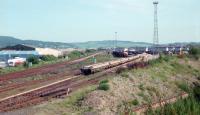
[{"x": 115, "y": 39}]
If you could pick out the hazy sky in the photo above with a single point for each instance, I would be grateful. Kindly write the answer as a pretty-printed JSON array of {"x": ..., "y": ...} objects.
[{"x": 89, "y": 20}]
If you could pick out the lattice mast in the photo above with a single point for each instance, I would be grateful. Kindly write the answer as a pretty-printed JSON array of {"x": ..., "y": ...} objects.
[{"x": 155, "y": 37}]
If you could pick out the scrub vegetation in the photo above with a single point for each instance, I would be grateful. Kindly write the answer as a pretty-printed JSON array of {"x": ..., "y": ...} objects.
[
  {"x": 188, "y": 106},
  {"x": 131, "y": 88},
  {"x": 134, "y": 87},
  {"x": 194, "y": 52},
  {"x": 103, "y": 85}
]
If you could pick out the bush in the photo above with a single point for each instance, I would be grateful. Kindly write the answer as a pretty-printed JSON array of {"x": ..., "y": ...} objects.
[
  {"x": 183, "y": 86},
  {"x": 48, "y": 58},
  {"x": 33, "y": 59},
  {"x": 90, "y": 50},
  {"x": 104, "y": 81},
  {"x": 104, "y": 86},
  {"x": 135, "y": 102},
  {"x": 75, "y": 54},
  {"x": 194, "y": 51},
  {"x": 196, "y": 91},
  {"x": 25, "y": 64}
]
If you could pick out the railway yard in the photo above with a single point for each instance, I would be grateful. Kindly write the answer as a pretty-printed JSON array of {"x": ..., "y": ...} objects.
[
  {"x": 34, "y": 86},
  {"x": 106, "y": 57},
  {"x": 57, "y": 74}
]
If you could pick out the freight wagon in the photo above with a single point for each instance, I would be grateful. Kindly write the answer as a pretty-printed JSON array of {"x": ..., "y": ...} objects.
[
  {"x": 90, "y": 69},
  {"x": 120, "y": 52}
]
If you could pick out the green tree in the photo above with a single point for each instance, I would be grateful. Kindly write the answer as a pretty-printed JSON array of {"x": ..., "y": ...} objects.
[{"x": 33, "y": 59}]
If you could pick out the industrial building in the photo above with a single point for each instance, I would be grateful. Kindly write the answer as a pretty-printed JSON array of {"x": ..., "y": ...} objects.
[
  {"x": 22, "y": 52},
  {"x": 26, "y": 49}
]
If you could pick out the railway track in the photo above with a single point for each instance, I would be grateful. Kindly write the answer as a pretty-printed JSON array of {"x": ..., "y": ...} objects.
[
  {"x": 143, "y": 108},
  {"x": 33, "y": 82},
  {"x": 7, "y": 83},
  {"x": 57, "y": 89},
  {"x": 41, "y": 70}
]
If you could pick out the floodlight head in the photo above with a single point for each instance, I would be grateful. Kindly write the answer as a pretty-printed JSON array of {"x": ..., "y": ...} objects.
[{"x": 155, "y": 2}]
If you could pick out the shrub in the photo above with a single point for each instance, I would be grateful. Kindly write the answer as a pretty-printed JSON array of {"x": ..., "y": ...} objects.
[
  {"x": 33, "y": 59},
  {"x": 124, "y": 75},
  {"x": 104, "y": 86},
  {"x": 75, "y": 54},
  {"x": 48, "y": 58},
  {"x": 90, "y": 50},
  {"x": 141, "y": 87},
  {"x": 183, "y": 86},
  {"x": 159, "y": 60},
  {"x": 25, "y": 64},
  {"x": 196, "y": 91},
  {"x": 104, "y": 81},
  {"x": 135, "y": 102},
  {"x": 194, "y": 51}
]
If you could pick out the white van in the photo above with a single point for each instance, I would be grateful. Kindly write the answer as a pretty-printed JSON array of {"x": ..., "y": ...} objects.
[{"x": 16, "y": 61}]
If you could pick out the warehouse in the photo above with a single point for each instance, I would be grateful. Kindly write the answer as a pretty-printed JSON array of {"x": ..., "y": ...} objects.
[
  {"x": 5, "y": 55},
  {"x": 49, "y": 51},
  {"x": 31, "y": 49}
]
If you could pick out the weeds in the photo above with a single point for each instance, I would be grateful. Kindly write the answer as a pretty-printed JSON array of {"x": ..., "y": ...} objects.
[
  {"x": 103, "y": 85},
  {"x": 141, "y": 87},
  {"x": 125, "y": 74},
  {"x": 120, "y": 70},
  {"x": 188, "y": 106},
  {"x": 104, "y": 81},
  {"x": 183, "y": 86},
  {"x": 135, "y": 102}
]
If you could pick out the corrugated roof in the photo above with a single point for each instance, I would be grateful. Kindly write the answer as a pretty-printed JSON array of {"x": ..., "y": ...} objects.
[{"x": 19, "y": 52}]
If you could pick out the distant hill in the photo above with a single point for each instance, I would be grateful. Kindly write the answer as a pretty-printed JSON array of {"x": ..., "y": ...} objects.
[
  {"x": 10, "y": 41},
  {"x": 110, "y": 44}
]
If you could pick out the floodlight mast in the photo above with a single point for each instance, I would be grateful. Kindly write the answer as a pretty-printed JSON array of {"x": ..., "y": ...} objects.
[{"x": 155, "y": 37}]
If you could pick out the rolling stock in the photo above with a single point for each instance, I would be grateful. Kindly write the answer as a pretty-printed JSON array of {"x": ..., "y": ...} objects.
[
  {"x": 124, "y": 52},
  {"x": 120, "y": 52},
  {"x": 90, "y": 69}
]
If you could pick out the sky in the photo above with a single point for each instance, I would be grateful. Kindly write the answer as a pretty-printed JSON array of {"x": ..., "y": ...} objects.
[{"x": 96, "y": 20}]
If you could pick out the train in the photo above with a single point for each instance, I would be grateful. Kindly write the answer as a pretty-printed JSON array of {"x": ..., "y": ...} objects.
[
  {"x": 94, "y": 68},
  {"x": 120, "y": 52},
  {"x": 125, "y": 52}
]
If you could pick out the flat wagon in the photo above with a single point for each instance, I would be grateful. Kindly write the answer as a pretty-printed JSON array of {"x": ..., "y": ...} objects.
[{"x": 90, "y": 69}]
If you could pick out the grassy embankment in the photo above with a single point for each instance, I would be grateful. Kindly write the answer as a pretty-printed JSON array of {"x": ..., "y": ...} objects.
[
  {"x": 132, "y": 88},
  {"x": 163, "y": 78},
  {"x": 188, "y": 106}
]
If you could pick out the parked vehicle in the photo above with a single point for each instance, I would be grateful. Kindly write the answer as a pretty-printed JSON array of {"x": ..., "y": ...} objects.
[{"x": 16, "y": 61}]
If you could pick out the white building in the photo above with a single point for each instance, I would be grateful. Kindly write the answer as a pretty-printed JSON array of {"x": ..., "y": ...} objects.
[{"x": 48, "y": 51}]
